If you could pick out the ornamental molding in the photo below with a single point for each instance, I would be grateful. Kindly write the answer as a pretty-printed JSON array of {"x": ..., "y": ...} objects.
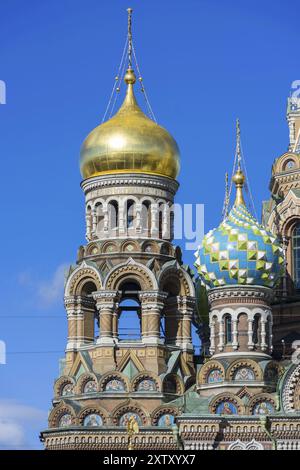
[
  {"x": 241, "y": 294},
  {"x": 288, "y": 395},
  {"x": 252, "y": 445},
  {"x": 158, "y": 182}
]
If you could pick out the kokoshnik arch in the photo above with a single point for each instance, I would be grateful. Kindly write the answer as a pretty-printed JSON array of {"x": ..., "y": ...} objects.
[{"x": 244, "y": 393}]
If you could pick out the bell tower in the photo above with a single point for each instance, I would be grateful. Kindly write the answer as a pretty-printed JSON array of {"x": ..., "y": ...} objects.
[{"x": 128, "y": 299}]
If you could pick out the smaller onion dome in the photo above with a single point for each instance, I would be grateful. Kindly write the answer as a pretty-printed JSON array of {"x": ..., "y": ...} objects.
[{"x": 240, "y": 250}]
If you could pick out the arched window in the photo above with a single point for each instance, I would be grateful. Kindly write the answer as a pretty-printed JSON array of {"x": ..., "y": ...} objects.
[
  {"x": 296, "y": 255},
  {"x": 130, "y": 209},
  {"x": 255, "y": 337},
  {"x": 113, "y": 214},
  {"x": 99, "y": 217},
  {"x": 129, "y": 324},
  {"x": 91, "y": 318},
  {"x": 228, "y": 329},
  {"x": 160, "y": 220},
  {"x": 146, "y": 218}
]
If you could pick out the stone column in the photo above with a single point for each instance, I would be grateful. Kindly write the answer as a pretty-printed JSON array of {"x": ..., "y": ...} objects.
[
  {"x": 212, "y": 336},
  {"x": 154, "y": 221},
  {"x": 152, "y": 303},
  {"x": 235, "y": 343},
  {"x": 250, "y": 334},
  {"x": 88, "y": 226},
  {"x": 221, "y": 335},
  {"x": 94, "y": 223},
  {"x": 122, "y": 216},
  {"x": 106, "y": 303},
  {"x": 166, "y": 222},
  {"x": 186, "y": 307},
  {"x": 138, "y": 218},
  {"x": 264, "y": 345}
]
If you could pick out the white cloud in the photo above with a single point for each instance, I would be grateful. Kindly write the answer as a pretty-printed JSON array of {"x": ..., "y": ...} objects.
[
  {"x": 15, "y": 421},
  {"x": 46, "y": 292}
]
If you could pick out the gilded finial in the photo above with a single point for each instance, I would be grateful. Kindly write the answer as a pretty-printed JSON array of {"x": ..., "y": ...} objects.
[
  {"x": 239, "y": 177},
  {"x": 130, "y": 75}
]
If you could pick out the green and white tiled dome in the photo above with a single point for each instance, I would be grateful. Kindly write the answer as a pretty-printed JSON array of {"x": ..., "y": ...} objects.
[{"x": 239, "y": 251}]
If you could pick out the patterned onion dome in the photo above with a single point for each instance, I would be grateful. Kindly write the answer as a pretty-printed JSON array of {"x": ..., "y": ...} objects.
[{"x": 240, "y": 250}]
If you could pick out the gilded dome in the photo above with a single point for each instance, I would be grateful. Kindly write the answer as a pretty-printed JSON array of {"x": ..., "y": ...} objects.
[
  {"x": 129, "y": 142},
  {"x": 240, "y": 250}
]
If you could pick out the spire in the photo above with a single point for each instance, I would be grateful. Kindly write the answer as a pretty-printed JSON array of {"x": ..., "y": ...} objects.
[
  {"x": 130, "y": 75},
  {"x": 239, "y": 177}
]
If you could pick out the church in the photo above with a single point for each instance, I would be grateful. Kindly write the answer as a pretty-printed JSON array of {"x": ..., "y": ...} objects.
[{"x": 152, "y": 391}]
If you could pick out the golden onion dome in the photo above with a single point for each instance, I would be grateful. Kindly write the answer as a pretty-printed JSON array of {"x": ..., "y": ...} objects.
[{"x": 129, "y": 142}]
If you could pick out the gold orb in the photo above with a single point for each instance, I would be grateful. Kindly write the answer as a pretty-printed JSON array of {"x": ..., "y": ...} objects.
[{"x": 129, "y": 142}]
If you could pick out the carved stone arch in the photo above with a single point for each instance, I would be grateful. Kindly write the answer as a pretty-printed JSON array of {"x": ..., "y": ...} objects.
[
  {"x": 261, "y": 397},
  {"x": 281, "y": 162},
  {"x": 129, "y": 246},
  {"x": 143, "y": 376},
  {"x": 227, "y": 396},
  {"x": 239, "y": 445},
  {"x": 179, "y": 386},
  {"x": 241, "y": 311},
  {"x": 162, "y": 410},
  {"x": 226, "y": 311},
  {"x": 291, "y": 384},
  {"x": 147, "y": 199},
  {"x": 61, "y": 382},
  {"x": 82, "y": 381},
  {"x": 249, "y": 363},
  {"x": 92, "y": 249},
  {"x": 110, "y": 247},
  {"x": 93, "y": 410},
  {"x": 132, "y": 407},
  {"x": 149, "y": 246},
  {"x": 207, "y": 368},
  {"x": 175, "y": 281},
  {"x": 115, "y": 375},
  {"x": 133, "y": 271},
  {"x": 97, "y": 202},
  {"x": 58, "y": 411},
  {"x": 83, "y": 274}
]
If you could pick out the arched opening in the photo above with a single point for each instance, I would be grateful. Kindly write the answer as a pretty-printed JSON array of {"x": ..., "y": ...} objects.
[
  {"x": 160, "y": 220},
  {"x": 99, "y": 218},
  {"x": 256, "y": 330},
  {"x": 146, "y": 218},
  {"x": 296, "y": 256},
  {"x": 130, "y": 214},
  {"x": 228, "y": 329},
  {"x": 91, "y": 316},
  {"x": 113, "y": 214},
  {"x": 129, "y": 314}
]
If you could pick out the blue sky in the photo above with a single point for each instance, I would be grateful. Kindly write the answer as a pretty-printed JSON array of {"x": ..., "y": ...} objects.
[{"x": 204, "y": 63}]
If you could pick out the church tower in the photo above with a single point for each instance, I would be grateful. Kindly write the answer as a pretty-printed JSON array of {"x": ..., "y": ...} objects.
[
  {"x": 118, "y": 376},
  {"x": 281, "y": 214}
]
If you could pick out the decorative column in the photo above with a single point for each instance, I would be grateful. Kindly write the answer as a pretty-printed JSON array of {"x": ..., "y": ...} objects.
[
  {"x": 106, "y": 303},
  {"x": 186, "y": 306},
  {"x": 122, "y": 216},
  {"x": 264, "y": 345},
  {"x": 166, "y": 222},
  {"x": 221, "y": 335},
  {"x": 138, "y": 218},
  {"x": 154, "y": 221},
  {"x": 250, "y": 334},
  {"x": 235, "y": 343},
  {"x": 81, "y": 317},
  {"x": 88, "y": 226},
  {"x": 94, "y": 223},
  {"x": 152, "y": 303},
  {"x": 212, "y": 327}
]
